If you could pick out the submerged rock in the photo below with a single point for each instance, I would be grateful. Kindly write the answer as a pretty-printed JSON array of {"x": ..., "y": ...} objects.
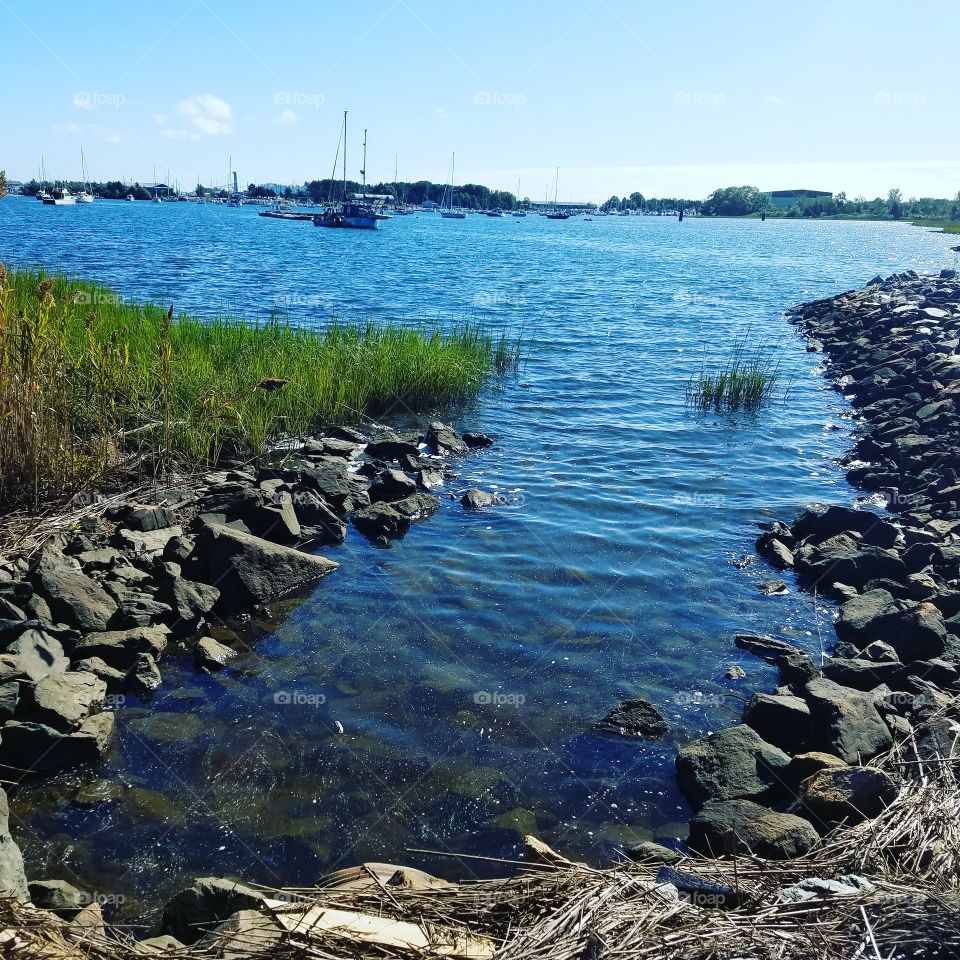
[
  {"x": 636, "y": 718},
  {"x": 210, "y": 901},
  {"x": 32, "y": 749},
  {"x": 475, "y": 499}
]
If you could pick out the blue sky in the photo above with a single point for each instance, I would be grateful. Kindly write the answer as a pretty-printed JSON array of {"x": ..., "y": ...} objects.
[{"x": 665, "y": 98}]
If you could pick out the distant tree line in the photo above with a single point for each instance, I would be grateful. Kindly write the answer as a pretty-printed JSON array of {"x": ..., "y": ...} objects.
[
  {"x": 3, "y": 184},
  {"x": 638, "y": 203}
]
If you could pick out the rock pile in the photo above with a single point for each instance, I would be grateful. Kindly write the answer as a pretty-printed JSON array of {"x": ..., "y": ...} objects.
[{"x": 797, "y": 765}]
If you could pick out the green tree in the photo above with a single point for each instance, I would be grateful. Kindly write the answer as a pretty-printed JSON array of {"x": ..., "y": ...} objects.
[
  {"x": 734, "y": 202},
  {"x": 200, "y": 190},
  {"x": 3, "y": 184}
]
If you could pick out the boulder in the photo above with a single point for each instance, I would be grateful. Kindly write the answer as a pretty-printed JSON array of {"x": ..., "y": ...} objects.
[
  {"x": 58, "y": 896},
  {"x": 34, "y": 749},
  {"x": 781, "y": 720},
  {"x": 740, "y": 826},
  {"x": 75, "y": 598},
  {"x": 190, "y": 603},
  {"x": 147, "y": 518},
  {"x": 381, "y": 520},
  {"x": 732, "y": 764},
  {"x": 795, "y": 666},
  {"x": 210, "y": 654},
  {"x": 319, "y": 521},
  {"x": 916, "y": 634},
  {"x": 445, "y": 439},
  {"x": 477, "y": 441},
  {"x": 636, "y": 718},
  {"x": 649, "y": 851},
  {"x": 836, "y": 520},
  {"x": 248, "y": 570},
  {"x": 847, "y": 794},
  {"x": 861, "y": 673},
  {"x": 100, "y": 668},
  {"x": 475, "y": 499},
  {"x": 391, "y": 485},
  {"x": 209, "y": 901},
  {"x": 846, "y": 722},
  {"x": 119, "y": 648},
  {"x": 417, "y": 506},
  {"x": 9, "y": 699},
  {"x": 64, "y": 700},
  {"x": 391, "y": 449},
  {"x": 36, "y": 654},
  {"x": 804, "y": 765},
  {"x": 859, "y": 614},
  {"x": 13, "y": 880}
]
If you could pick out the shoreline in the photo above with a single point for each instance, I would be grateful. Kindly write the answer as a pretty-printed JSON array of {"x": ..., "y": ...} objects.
[{"x": 790, "y": 772}]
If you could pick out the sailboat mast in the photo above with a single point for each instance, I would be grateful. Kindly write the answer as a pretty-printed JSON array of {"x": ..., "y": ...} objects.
[
  {"x": 344, "y": 156},
  {"x": 363, "y": 170}
]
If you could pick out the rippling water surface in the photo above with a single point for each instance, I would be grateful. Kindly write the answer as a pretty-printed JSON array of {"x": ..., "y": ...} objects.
[{"x": 467, "y": 663}]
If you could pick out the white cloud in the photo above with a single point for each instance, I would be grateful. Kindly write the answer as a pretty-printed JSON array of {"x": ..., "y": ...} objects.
[
  {"x": 287, "y": 116},
  {"x": 160, "y": 118},
  {"x": 443, "y": 113},
  {"x": 772, "y": 99},
  {"x": 178, "y": 133},
  {"x": 207, "y": 113},
  {"x": 66, "y": 128}
]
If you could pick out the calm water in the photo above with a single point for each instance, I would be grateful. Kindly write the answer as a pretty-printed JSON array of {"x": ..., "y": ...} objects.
[{"x": 611, "y": 572}]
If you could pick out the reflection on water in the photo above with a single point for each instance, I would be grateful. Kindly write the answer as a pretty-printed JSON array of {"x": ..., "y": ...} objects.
[{"x": 467, "y": 664}]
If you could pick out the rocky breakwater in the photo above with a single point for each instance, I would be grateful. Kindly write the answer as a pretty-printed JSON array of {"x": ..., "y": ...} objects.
[
  {"x": 93, "y": 610},
  {"x": 798, "y": 764}
]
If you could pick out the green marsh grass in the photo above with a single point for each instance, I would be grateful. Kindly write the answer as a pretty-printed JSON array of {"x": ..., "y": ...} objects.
[
  {"x": 87, "y": 379},
  {"x": 745, "y": 380},
  {"x": 942, "y": 226}
]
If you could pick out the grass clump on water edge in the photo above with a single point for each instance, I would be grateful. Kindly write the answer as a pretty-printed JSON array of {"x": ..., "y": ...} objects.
[
  {"x": 746, "y": 380},
  {"x": 87, "y": 379}
]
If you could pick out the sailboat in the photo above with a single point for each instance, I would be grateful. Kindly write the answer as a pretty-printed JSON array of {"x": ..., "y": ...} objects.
[
  {"x": 86, "y": 194},
  {"x": 60, "y": 197},
  {"x": 446, "y": 201},
  {"x": 556, "y": 214},
  {"x": 42, "y": 192},
  {"x": 352, "y": 214},
  {"x": 518, "y": 212}
]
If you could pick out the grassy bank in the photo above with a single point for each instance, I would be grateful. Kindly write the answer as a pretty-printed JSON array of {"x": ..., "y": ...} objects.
[
  {"x": 87, "y": 379},
  {"x": 944, "y": 226}
]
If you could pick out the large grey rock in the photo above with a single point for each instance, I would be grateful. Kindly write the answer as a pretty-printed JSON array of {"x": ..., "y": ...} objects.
[
  {"x": 381, "y": 520},
  {"x": 916, "y": 634},
  {"x": 36, "y": 654},
  {"x": 64, "y": 700},
  {"x": 444, "y": 439},
  {"x": 846, "y": 794},
  {"x": 13, "y": 880},
  {"x": 190, "y": 603},
  {"x": 846, "y": 722},
  {"x": 75, "y": 598},
  {"x": 33, "y": 749},
  {"x": 120, "y": 648},
  {"x": 390, "y": 485},
  {"x": 857, "y": 615},
  {"x": 147, "y": 518},
  {"x": 210, "y": 654},
  {"x": 249, "y": 570},
  {"x": 319, "y": 521},
  {"x": 58, "y": 896},
  {"x": 795, "y": 666},
  {"x": 728, "y": 827},
  {"x": 782, "y": 720},
  {"x": 391, "y": 449},
  {"x": 475, "y": 499},
  {"x": 732, "y": 764},
  {"x": 202, "y": 906},
  {"x": 836, "y": 520}
]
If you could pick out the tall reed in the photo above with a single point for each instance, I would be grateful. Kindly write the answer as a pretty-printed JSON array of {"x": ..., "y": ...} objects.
[
  {"x": 87, "y": 379},
  {"x": 745, "y": 380}
]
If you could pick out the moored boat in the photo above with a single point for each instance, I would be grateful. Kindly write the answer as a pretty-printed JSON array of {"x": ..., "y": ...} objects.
[
  {"x": 354, "y": 214},
  {"x": 60, "y": 197}
]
